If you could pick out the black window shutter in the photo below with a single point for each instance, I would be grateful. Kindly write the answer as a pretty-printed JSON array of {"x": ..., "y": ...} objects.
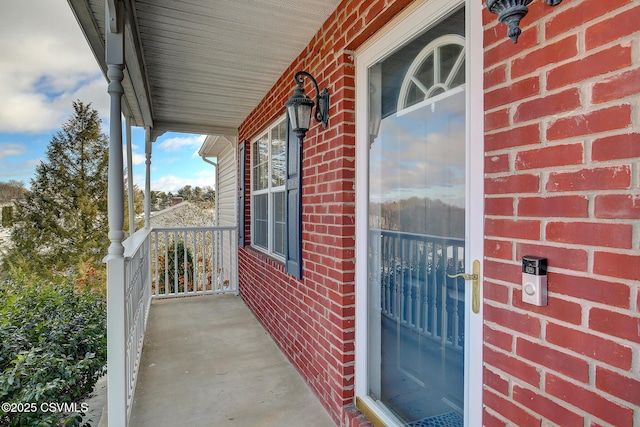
[
  {"x": 293, "y": 204},
  {"x": 242, "y": 165}
]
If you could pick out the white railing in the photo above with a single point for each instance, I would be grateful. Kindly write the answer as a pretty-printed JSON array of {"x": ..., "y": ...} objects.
[
  {"x": 194, "y": 261},
  {"x": 137, "y": 272},
  {"x": 411, "y": 270},
  {"x": 164, "y": 263}
]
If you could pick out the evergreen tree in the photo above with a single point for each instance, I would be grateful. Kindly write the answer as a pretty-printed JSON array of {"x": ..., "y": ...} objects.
[
  {"x": 186, "y": 192},
  {"x": 63, "y": 221},
  {"x": 138, "y": 205}
]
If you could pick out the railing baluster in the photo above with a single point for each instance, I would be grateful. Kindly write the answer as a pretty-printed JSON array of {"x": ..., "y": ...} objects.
[
  {"x": 233, "y": 276},
  {"x": 195, "y": 270},
  {"x": 425, "y": 297},
  {"x": 211, "y": 272},
  {"x": 391, "y": 276},
  {"x": 204, "y": 261},
  {"x": 155, "y": 263},
  {"x": 207, "y": 262},
  {"x": 418, "y": 299},
  {"x": 185, "y": 266},
  {"x": 386, "y": 266},
  {"x": 434, "y": 290},
  {"x": 195, "y": 262},
  {"x": 410, "y": 285},
  {"x": 377, "y": 267},
  {"x": 400, "y": 261},
  {"x": 411, "y": 273},
  {"x": 222, "y": 262},
  {"x": 394, "y": 279},
  {"x": 166, "y": 263},
  {"x": 454, "y": 302},
  {"x": 443, "y": 289},
  {"x": 176, "y": 262}
]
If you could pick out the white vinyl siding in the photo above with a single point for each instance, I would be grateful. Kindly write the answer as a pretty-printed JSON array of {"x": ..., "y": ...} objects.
[{"x": 227, "y": 187}]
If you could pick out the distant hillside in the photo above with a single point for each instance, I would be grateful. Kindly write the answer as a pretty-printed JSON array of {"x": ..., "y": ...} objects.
[
  {"x": 420, "y": 216},
  {"x": 185, "y": 214},
  {"x": 12, "y": 190}
]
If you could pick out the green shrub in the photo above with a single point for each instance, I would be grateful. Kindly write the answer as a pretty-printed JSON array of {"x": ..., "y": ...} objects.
[
  {"x": 176, "y": 256},
  {"x": 53, "y": 348}
]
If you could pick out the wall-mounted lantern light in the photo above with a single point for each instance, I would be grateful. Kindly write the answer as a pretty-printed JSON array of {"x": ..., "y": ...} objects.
[
  {"x": 510, "y": 12},
  {"x": 300, "y": 105}
]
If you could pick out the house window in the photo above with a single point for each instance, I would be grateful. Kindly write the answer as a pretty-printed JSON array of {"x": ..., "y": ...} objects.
[{"x": 268, "y": 163}]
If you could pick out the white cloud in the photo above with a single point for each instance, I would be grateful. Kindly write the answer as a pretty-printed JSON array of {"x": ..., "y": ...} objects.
[
  {"x": 208, "y": 174},
  {"x": 12, "y": 168},
  {"x": 136, "y": 158},
  {"x": 173, "y": 183},
  {"x": 178, "y": 143},
  {"x": 46, "y": 64},
  {"x": 12, "y": 149},
  {"x": 22, "y": 171},
  {"x": 421, "y": 154}
]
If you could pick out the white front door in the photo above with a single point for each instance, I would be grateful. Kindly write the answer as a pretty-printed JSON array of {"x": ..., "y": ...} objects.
[{"x": 420, "y": 210}]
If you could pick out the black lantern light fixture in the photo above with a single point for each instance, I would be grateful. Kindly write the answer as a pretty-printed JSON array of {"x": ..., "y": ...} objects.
[
  {"x": 510, "y": 12},
  {"x": 300, "y": 105}
]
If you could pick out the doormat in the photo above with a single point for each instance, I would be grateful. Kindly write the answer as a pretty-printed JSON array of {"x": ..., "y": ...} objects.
[{"x": 450, "y": 419}]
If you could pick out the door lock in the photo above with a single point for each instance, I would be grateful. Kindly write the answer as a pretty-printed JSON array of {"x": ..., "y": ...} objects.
[{"x": 475, "y": 285}]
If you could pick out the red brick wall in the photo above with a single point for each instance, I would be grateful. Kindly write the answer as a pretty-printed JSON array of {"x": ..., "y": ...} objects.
[
  {"x": 562, "y": 181},
  {"x": 312, "y": 320}
]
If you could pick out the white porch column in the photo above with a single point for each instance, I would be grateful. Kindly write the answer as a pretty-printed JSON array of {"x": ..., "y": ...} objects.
[
  {"x": 131, "y": 201},
  {"x": 116, "y": 336},
  {"x": 147, "y": 179}
]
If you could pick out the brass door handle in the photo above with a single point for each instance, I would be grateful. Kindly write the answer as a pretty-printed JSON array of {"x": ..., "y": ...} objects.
[
  {"x": 464, "y": 276},
  {"x": 475, "y": 285}
]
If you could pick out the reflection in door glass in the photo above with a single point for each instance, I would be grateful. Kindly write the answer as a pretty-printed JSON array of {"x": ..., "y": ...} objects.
[{"x": 417, "y": 233}]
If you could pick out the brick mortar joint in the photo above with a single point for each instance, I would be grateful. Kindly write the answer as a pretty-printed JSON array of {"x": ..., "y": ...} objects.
[{"x": 545, "y": 320}]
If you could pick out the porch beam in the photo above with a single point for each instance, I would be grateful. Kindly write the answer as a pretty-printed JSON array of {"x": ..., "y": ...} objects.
[{"x": 202, "y": 129}]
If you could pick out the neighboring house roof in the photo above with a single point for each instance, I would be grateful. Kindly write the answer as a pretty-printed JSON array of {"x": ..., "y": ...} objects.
[
  {"x": 214, "y": 145},
  {"x": 202, "y": 66}
]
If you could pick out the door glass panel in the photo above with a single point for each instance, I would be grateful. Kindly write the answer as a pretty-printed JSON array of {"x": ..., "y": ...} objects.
[{"x": 417, "y": 228}]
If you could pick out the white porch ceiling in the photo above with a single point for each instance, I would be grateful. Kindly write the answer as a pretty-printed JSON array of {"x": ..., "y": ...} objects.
[{"x": 201, "y": 66}]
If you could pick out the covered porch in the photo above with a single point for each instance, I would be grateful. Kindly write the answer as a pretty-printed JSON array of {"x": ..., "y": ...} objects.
[
  {"x": 200, "y": 68},
  {"x": 207, "y": 362},
  {"x": 193, "y": 352}
]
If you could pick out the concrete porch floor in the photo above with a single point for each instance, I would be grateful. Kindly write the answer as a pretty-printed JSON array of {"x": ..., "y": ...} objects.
[{"x": 208, "y": 362}]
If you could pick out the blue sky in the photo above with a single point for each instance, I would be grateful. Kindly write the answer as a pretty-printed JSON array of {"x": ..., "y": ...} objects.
[{"x": 46, "y": 64}]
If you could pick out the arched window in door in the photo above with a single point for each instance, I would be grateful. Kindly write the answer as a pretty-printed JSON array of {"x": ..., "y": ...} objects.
[{"x": 437, "y": 69}]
